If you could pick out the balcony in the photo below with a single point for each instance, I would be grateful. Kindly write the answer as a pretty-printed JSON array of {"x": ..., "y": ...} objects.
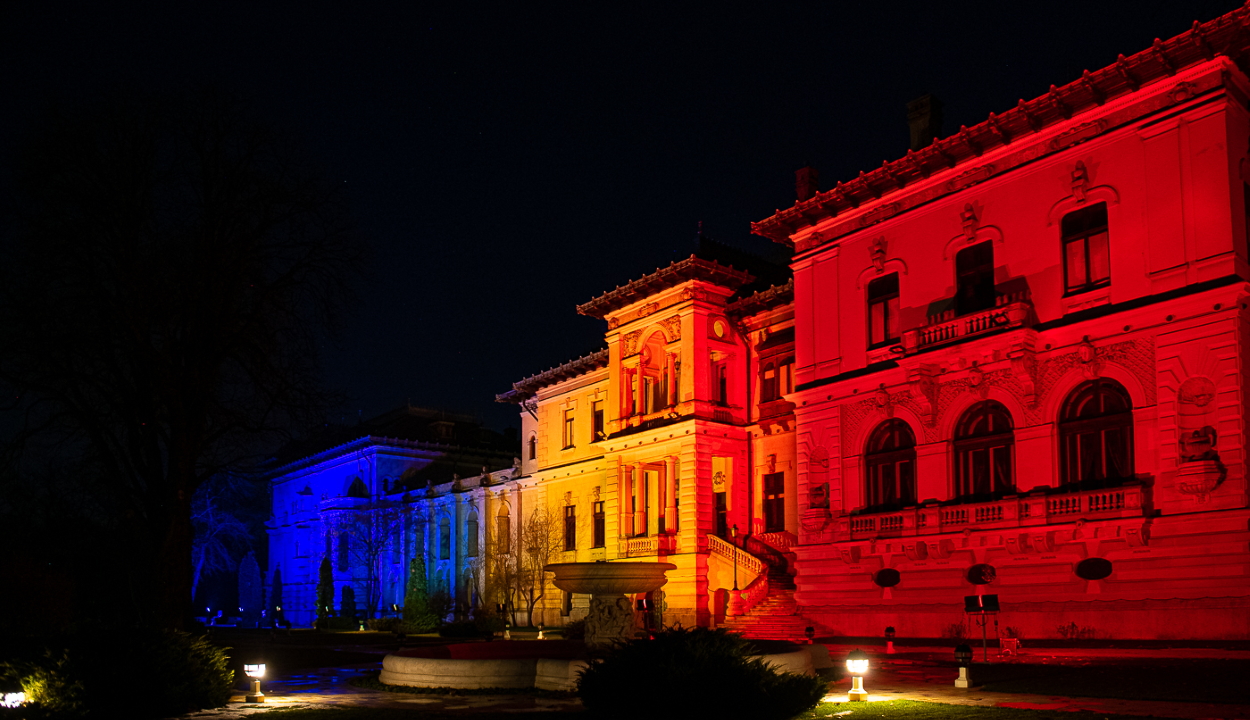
[
  {"x": 648, "y": 545},
  {"x": 1016, "y": 511},
  {"x": 1010, "y": 310}
]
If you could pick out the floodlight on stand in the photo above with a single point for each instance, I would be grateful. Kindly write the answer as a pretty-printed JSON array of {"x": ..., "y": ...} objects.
[
  {"x": 857, "y": 666},
  {"x": 809, "y": 632},
  {"x": 255, "y": 672},
  {"x": 889, "y": 639}
]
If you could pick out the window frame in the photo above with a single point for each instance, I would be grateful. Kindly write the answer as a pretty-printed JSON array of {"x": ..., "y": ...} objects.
[
  {"x": 1074, "y": 428},
  {"x": 984, "y": 294},
  {"x": 599, "y": 531},
  {"x": 569, "y": 429},
  {"x": 1083, "y": 236},
  {"x": 967, "y": 441},
  {"x": 774, "y": 501},
  {"x": 897, "y": 458},
  {"x": 883, "y": 300},
  {"x": 570, "y": 528}
]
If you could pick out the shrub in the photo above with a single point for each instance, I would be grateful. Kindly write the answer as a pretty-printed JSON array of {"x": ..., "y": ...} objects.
[
  {"x": 575, "y": 630},
  {"x": 693, "y": 673},
  {"x": 180, "y": 674},
  {"x": 386, "y": 624}
]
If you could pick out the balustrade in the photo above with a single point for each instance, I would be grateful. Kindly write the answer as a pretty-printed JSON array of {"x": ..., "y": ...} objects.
[
  {"x": 1009, "y": 512},
  {"x": 1011, "y": 310}
]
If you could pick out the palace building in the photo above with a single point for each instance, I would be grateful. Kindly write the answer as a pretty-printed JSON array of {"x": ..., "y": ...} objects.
[
  {"x": 1012, "y": 362},
  {"x": 1008, "y": 363}
]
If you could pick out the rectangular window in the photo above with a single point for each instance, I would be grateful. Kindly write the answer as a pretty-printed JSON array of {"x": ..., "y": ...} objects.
[
  {"x": 503, "y": 534},
  {"x": 974, "y": 278},
  {"x": 570, "y": 528},
  {"x": 774, "y": 502},
  {"x": 1086, "y": 249},
  {"x": 600, "y": 526},
  {"x": 721, "y": 507},
  {"x": 597, "y": 425},
  {"x": 883, "y": 310},
  {"x": 568, "y": 429},
  {"x": 720, "y": 383}
]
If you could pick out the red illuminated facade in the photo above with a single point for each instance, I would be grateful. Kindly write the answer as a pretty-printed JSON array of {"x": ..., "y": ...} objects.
[
  {"x": 1021, "y": 363},
  {"x": 1012, "y": 362}
]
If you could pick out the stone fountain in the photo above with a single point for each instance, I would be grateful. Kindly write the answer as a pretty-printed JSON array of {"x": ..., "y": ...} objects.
[{"x": 611, "y": 615}]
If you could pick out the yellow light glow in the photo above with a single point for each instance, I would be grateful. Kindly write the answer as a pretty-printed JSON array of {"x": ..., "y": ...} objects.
[
  {"x": 254, "y": 671},
  {"x": 857, "y": 667}
]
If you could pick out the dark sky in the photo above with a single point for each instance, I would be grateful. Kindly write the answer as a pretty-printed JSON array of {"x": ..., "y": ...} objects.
[{"x": 508, "y": 161}]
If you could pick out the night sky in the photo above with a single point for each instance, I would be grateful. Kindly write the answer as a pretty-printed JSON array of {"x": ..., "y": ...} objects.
[{"x": 510, "y": 161}]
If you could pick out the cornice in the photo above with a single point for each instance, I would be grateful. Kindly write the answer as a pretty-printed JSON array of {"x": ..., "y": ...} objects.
[
  {"x": 1227, "y": 35},
  {"x": 692, "y": 268},
  {"x": 525, "y": 389}
]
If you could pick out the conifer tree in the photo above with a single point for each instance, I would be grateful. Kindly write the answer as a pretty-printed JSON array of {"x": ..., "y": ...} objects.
[
  {"x": 417, "y": 613},
  {"x": 325, "y": 589},
  {"x": 275, "y": 594}
]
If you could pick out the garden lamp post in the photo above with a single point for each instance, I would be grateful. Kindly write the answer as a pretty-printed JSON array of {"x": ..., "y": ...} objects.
[
  {"x": 809, "y": 632},
  {"x": 733, "y": 533},
  {"x": 889, "y": 639},
  {"x": 963, "y": 656},
  {"x": 857, "y": 666},
  {"x": 255, "y": 672}
]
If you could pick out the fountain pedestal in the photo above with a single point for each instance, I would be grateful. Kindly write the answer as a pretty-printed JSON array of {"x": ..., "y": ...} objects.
[{"x": 611, "y": 615}]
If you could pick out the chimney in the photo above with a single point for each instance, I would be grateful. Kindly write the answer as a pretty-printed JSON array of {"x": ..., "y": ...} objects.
[
  {"x": 924, "y": 118},
  {"x": 806, "y": 183}
]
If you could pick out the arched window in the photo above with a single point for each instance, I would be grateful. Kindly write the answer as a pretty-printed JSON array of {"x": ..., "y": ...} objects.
[
  {"x": 984, "y": 443},
  {"x": 503, "y": 531},
  {"x": 533, "y": 447},
  {"x": 890, "y": 459},
  {"x": 1096, "y": 433},
  {"x": 444, "y": 539},
  {"x": 470, "y": 535}
]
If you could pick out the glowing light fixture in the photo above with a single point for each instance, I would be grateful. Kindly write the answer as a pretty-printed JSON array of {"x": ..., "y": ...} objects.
[
  {"x": 255, "y": 672},
  {"x": 12, "y": 700},
  {"x": 889, "y": 639},
  {"x": 857, "y": 666},
  {"x": 963, "y": 656}
]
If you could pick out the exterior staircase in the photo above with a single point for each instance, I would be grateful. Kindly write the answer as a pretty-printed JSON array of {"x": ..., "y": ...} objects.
[{"x": 776, "y": 617}]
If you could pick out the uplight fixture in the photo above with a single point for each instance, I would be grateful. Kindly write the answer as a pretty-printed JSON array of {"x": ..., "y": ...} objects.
[
  {"x": 255, "y": 672},
  {"x": 857, "y": 666}
]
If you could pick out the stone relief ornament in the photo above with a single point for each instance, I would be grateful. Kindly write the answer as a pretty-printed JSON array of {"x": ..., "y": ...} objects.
[
  {"x": 672, "y": 327},
  {"x": 629, "y": 343},
  {"x": 609, "y": 620},
  {"x": 876, "y": 252}
]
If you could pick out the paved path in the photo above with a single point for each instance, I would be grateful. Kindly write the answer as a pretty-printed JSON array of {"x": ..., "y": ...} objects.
[{"x": 914, "y": 674}]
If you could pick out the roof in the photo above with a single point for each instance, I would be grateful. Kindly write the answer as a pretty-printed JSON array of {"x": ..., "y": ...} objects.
[
  {"x": 526, "y": 388},
  {"x": 406, "y": 426},
  {"x": 1227, "y": 35},
  {"x": 692, "y": 268},
  {"x": 762, "y": 300}
]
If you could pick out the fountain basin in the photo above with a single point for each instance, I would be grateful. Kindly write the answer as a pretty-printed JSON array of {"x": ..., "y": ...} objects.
[
  {"x": 545, "y": 664},
  {"x": 610, "y": 578}
]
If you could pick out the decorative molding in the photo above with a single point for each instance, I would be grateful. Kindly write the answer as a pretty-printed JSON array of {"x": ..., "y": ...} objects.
[
  {"x": 629, "y": 343},
  {"x": 1076, "y": 135},
  {"x": 672, "y": 327}
]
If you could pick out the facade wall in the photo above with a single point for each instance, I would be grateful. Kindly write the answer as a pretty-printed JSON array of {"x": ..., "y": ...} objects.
[{"x": 1167, "y": 328}]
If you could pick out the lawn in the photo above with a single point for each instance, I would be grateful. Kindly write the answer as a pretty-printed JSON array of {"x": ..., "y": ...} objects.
[{"x": 895, "y": 709}]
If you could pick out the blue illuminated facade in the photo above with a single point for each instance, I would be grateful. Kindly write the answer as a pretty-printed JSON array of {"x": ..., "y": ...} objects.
[{"x": 371, "y": 503}]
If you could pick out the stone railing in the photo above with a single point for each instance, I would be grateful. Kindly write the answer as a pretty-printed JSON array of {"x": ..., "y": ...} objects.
[
  {"x": 752, "y": 595},
  {"x": 1014, "y": 511},
  {"x": 781, "y": 541},
  {"x": 745, "y": 560},
  {"x": 648, "y": 545},
  {"x": 1011, "y": 310}
]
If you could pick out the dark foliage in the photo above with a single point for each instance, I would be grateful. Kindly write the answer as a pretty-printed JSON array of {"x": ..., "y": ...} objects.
[
  {"x": 172, "y": 268},
  {"x": 693, "y": 673},
  {"x": 83, "y": 675},
  {"x": 575, "y": 630}
]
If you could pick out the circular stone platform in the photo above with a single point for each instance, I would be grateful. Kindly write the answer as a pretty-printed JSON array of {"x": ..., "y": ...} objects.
[{"x": 542, "y": 664}]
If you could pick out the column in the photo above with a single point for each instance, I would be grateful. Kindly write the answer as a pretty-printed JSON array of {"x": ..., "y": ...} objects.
[{"x": 670, "y": 494}]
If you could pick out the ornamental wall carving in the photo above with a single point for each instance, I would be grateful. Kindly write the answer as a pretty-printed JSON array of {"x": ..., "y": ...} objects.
[
  {"x": 672, "y": 327},
  {"x": 929, "y": 396}
]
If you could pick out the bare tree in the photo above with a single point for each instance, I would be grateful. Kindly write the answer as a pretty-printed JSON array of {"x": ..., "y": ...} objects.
[
  {"x": 221, "y": 537},
  {"x": 372, "y": 532},
  {"x": 171, "y": 269},
  {"x": 539, "y": 540}
]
